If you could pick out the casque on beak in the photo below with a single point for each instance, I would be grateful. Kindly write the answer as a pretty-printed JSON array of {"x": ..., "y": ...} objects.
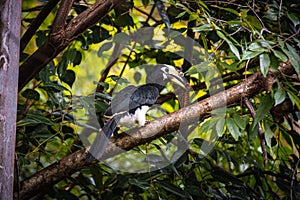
[{"x": 172, "y": 74}]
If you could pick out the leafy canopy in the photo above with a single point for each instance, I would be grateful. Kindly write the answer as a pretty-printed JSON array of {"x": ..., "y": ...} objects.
[{"x": 242, "y": 37}]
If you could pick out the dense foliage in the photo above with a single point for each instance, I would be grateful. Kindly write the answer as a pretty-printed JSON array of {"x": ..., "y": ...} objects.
[{"x": 257, "y": 153}]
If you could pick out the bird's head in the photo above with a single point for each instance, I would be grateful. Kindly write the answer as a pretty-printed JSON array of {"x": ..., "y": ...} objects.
[
  {"x": 170, "y": 73},
  {"x": 163, "y": 73}
]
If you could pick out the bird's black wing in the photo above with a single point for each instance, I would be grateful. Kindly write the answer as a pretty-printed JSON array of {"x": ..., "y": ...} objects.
[
  {"x": 143, "y": 95},
  {"x": 132, "y": 97},
  {"x": 120, "y": 103}
]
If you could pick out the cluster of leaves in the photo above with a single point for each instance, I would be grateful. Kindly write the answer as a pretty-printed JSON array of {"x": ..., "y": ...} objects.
[{"x": 245, "y": 37}]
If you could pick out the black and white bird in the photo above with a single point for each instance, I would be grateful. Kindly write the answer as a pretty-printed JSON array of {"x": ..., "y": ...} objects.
[{"x": 131, "y": 104}]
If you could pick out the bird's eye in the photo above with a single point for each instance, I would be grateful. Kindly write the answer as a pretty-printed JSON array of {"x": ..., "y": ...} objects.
[{"x": 166, "y": 69}]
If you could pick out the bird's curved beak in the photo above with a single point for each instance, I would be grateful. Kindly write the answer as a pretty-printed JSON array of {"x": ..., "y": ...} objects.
[{"x": 175, "y": 76}]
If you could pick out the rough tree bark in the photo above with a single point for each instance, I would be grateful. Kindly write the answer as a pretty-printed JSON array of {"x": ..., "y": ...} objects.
[
  {"x": 250, "y": 87},
  {"x": 10, "y": 23}
]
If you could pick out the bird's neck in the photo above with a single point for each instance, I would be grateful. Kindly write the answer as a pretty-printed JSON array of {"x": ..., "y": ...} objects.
[{"x": 158, "y": 86}]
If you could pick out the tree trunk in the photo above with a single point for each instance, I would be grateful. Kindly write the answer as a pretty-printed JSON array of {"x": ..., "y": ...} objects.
[{"x": 10, "y": 19}]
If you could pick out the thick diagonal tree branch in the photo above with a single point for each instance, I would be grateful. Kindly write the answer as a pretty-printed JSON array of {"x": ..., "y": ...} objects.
[
  {"x": 56, "y": 172},
  {"x": 62, "y": 35}
]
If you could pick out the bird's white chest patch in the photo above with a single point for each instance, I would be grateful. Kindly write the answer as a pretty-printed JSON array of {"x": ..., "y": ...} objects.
[{"x": 138, "y": 117}]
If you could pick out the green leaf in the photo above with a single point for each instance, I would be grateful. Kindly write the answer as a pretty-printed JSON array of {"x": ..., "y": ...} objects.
[
  {"x": 280, "y": 55},
  {"x": 69, "y": 77},
  {"x": 263, "y": 109},
  {"x": 70, "y": 55},
  {"x": 199, "y": 68},
  {"x": 254, "y": 22},
  {"x": 232, "y": 67},
  {"x": 228, "y": 9},
  {"x": 62, "y": 67},
  {"x": 77, "y": 59},
  {"x": 34, "y": 119},
  {"x": 279, "y": 96},
  {"x": 264, "y": 62},
  {"x": 140, "y": 183},
  {"x": 256, "y": 46},
  {"x": 233, "y": 128},
  {"x": 181, "y": 14},
  {"x": 294, "y": 18},
  {"x": 46, "y": 72},
  {"x": 124, "y": 20},
  {"x": 250, "y": 54},
  {"x": 204, "y": 27},
  {"x": 54, "y": 87},
  {"x": 31, "y": 94},
  {"x": 240, "y": 121},
  {"x": 234, "y": 50},
  {"x": 268, "y": 134},
  {"x": 220, "y": 126},
  {"x": 97, "y": 176},
  {"x": 97, "y": 35}
]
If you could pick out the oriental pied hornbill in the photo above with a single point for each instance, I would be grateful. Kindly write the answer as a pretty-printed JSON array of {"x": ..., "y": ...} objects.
[{"x": 130, "y": 105}]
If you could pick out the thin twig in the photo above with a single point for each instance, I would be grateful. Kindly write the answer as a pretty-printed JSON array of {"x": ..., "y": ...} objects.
[{"x": 260, "y": 131}]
